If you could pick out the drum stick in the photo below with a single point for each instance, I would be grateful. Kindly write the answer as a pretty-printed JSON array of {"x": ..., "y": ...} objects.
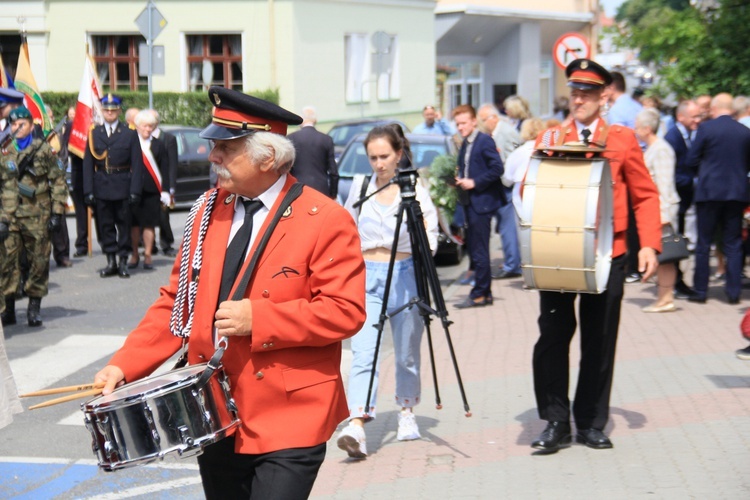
[
  {"x": 71, "y": 397},
  {"x": 61, "y": 390}
]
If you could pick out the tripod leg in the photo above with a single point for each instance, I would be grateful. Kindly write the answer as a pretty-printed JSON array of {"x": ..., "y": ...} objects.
[{"x": 427, "y": 265}]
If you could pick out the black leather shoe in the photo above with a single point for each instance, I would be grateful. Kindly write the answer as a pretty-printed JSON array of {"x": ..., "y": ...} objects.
[
  {"x": 478, "y": 302},
  {"x": 683, "y": 292},
  {"x": 504, "y": 275},
  {"x": 593, "y": 438},
  {"x": 64, "y": 263},
  {"x": 122, "y": 268},
  {"x": 733, "y": 300},
  {"x": 80, "y": 253},
  {"x": 111, "y": 269},
  {"x": 698, "y": 299},
  {"x": 555, "y": 436}
]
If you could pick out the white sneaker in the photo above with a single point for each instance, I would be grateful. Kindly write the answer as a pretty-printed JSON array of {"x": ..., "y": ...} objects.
[
  {"x": 407, "y": 426},
  {"x": 352, "y": 440}
]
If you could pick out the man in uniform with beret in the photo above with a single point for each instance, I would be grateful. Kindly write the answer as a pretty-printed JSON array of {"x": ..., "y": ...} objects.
[
  {"x": 34, "y": 199},
  {"x": 282, "y": 329},
  {"x": 599, "y": 314},
  {"x": 112, "y": 181}
]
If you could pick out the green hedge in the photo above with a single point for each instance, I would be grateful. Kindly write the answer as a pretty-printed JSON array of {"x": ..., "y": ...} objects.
[{"x": 188, "y": 108}]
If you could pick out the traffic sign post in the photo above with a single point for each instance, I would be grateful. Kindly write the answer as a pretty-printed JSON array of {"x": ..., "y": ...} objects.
[
  {"x": 569, "y": 47},
  {"x": 150, "y": 23}
]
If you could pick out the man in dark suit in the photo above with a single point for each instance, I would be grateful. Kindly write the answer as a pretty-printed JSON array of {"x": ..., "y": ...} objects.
[
  {"x": 166, "y": 236},
  {"x": 720, "y": 157},
  {"x": 680, "y": 137},
  {"x": 481, "y": 194},
  {"x": 314, "y": 164},
  {"x": 112, "y": 181}
]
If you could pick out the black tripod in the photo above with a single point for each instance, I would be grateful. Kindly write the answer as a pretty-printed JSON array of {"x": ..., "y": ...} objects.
[{"x": 424, "y": 273}]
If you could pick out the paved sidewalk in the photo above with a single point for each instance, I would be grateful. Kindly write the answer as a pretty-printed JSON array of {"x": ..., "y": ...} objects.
[{"x": 679, "y": 421}]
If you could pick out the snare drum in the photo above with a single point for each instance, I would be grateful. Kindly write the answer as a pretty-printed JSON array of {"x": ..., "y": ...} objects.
[
  {"x": 566, "y": 224},
  {"x": 150, "y": 418}
]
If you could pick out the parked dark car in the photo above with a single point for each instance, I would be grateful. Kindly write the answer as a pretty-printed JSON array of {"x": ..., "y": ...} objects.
[
  {"x": 344, "y": 131},
  {"x": 424, "y": 149},
  {"x": 193, "y": 167}
]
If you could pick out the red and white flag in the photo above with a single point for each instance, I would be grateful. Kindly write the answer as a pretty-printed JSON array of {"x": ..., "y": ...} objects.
[{"x": 88, "y": 109}]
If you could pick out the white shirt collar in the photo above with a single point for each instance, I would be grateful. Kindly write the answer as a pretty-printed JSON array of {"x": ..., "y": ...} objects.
[{"x": 268, "y": 197}]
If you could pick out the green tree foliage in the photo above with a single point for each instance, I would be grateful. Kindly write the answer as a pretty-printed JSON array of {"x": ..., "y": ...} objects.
[{"x": 698, "y": 51}]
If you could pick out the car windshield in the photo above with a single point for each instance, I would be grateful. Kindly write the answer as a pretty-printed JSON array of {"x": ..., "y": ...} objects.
[
  {"x": 343, "y": 134},
  {"x": 354, "y": 160}
]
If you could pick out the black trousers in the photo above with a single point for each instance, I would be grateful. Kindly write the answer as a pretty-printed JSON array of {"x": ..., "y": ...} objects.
[
  {"x": 283, "y": 475},
  {"x": 478, "y": 242},
  {"x": 76, "y": 179},
  {"x": 166, "y": 237},
  {"x": 60, "y": 243},
  {"x": 600, "y": 321},
  {"x": 113, "y": 221}
]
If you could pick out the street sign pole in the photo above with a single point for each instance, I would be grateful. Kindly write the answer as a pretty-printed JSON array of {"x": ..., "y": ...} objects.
[
  {"x": 150, "y": 23},
  {"x": 150, "y": 42}
]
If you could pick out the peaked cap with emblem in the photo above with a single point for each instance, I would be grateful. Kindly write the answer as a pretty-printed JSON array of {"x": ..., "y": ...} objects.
[
  {"x": 585, "y": 74},
  {"x": 111, "y": 101},
  {"x": 236, "y": 114},
  {"x": 10, "y": 96}
]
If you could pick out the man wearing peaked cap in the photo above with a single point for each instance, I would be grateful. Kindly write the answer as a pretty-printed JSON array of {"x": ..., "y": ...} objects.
[
  {"x": 113, "y": 172},
  {"x": 284, "y": 328},
  {"x": 9, "y": 100},
  {"x": 599, "y": 314}
]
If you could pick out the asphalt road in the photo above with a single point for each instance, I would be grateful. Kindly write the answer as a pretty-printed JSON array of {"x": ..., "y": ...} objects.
[{"x": 46, "y": 453}]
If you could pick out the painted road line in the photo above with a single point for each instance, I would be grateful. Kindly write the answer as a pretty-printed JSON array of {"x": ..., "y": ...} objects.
[
  {"x": 149, "y": 489},
  {"x": 55, "y": 362}
]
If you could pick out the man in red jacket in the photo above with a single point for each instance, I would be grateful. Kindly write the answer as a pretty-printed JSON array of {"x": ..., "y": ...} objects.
[
  {"x": 599, "y": 314},
  {"x": 306, "y": 295}
]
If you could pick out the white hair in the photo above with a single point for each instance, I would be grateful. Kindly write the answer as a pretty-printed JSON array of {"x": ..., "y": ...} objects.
[
  {"x": 650, "y": 118},
  {"x": 145, "y": 117},
  {"x": 261, "y": 146}
]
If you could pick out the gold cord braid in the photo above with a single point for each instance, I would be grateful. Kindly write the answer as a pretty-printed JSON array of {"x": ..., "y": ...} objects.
[{"x": 91, "y": 147}]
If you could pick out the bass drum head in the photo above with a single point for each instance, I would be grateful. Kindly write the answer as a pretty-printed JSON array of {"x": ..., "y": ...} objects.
[{"x": 566, "y": 224}]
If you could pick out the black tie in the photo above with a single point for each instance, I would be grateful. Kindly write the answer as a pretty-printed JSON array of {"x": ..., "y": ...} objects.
[
  {"x": 585, "y": 133},
  {"x": 237, "y": 248}
]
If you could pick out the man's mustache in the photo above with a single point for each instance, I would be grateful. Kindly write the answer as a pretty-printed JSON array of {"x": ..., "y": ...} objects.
[{"x": 221, "y": 171}]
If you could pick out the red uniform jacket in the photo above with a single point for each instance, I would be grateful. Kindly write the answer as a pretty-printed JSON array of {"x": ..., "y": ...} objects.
[
  {"x": 308, "y": 295},
  {"x": 630, "y": 177}
]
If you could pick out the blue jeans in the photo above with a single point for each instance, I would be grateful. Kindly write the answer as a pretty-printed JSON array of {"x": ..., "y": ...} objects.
[
  {"x": 506, "y": 223},
  {"x": 406, "y": 327}
]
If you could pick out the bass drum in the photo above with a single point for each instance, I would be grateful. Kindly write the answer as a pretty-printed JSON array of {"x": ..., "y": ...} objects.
[
  {"x": 145, "y": 420},
  {"x": 566, "y": 224}
]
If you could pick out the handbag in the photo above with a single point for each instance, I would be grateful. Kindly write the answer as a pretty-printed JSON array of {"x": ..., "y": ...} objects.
[{"x": 673, "y": 246}]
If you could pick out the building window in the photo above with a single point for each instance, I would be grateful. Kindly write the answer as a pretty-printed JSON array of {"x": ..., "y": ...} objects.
[
  {"x": 371, "y": 61},
  {"x": 116, "y": 58},
  {"x": 214, "y": 60},
  {"x": 465, "y": 85},
  {"x": 386, "y": 67},
  {"x": 357, "y": 67}
]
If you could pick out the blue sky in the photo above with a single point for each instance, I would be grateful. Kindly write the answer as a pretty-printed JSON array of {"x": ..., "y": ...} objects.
[{"x": 610, "y": 6}]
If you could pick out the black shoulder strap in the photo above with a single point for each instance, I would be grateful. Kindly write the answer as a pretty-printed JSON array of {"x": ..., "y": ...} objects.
[
  {"x": 292, "y": 195},
  {"x": 363, "y": 191}
]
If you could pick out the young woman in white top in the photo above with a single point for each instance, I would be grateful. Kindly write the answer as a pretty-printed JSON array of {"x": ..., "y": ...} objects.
[{"x": 376, "y": 219}]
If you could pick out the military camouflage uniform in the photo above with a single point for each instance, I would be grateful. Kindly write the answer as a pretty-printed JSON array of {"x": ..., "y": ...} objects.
[
  {"x": 9, "y": 189},
  {"x": 45, "y": 176}
]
